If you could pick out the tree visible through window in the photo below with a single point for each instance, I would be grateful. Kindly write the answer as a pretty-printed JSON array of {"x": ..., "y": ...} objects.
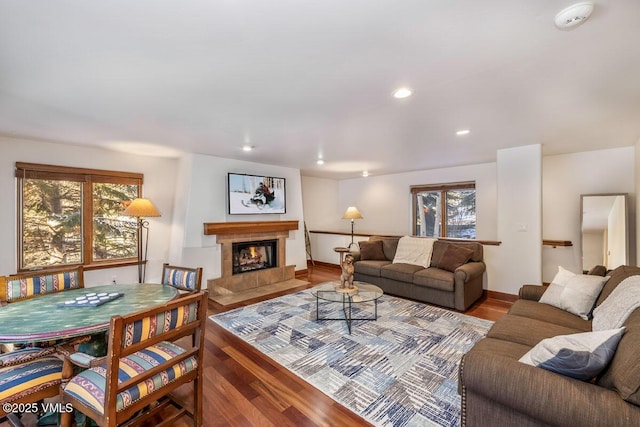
[
  {"x": 445, "y": 210},
  {"x": 73, "y": 216}
]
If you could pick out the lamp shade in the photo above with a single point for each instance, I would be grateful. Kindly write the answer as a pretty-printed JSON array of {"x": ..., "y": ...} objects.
[
  {"x": 141, "y": 208},
  {"x": 352, "y": 213}
]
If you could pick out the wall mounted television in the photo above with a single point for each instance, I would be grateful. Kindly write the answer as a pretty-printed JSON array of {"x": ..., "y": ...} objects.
[{"x": 255, "y": 194}]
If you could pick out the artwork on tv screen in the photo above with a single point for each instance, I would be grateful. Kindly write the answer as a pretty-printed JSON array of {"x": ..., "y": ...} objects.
[{"x": 253, "y": 194}]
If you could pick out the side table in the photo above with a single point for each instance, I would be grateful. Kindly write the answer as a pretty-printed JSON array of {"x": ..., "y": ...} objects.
[{"x": 341, "y": 251}]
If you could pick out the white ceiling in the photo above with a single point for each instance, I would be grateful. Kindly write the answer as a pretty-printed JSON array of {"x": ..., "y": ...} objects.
[{"x": 302, "y": 79}]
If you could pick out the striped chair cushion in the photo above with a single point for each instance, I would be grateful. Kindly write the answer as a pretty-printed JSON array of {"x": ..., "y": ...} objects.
[
  {"x": 180, "y": 278},
  {"x": 23, "y": 355},
  {"x": 47, "y": 283},
  {"x": 89, "y": 386},
  {"x": 26, "y": 378},
  {"x": 148, "y": 327}
]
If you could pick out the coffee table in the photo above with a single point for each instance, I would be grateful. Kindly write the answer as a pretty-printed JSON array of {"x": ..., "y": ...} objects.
[{"x": 362, "y": 292}]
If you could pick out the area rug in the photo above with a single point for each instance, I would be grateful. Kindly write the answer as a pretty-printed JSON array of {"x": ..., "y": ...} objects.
[{"x": 400, "y": 370}]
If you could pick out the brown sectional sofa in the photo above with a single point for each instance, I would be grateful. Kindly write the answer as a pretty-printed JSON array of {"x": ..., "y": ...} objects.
[
  {"x": 456, "y": 289},
  {"x": 497, "y": 389}
]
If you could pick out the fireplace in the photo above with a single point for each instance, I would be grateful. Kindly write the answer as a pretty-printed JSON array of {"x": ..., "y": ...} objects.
[{"x": 254, "y": 255}]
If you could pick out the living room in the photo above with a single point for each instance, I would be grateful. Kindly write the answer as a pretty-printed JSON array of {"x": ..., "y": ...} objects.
[{"x": 533, "y": 114}]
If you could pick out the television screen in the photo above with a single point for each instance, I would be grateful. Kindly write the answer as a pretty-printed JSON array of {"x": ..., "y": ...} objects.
[{"x": 254, "y": 194}]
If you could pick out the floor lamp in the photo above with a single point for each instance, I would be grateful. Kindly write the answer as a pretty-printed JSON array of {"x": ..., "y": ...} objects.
[
  {"x": 142, "y": 208},
  {"x": 352, "y": 214}
]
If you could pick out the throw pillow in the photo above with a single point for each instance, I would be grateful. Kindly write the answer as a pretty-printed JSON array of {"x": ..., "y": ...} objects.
[
  {"x": 575, "y": 293},
  {"x": 453, "y": 257},
  {"x": 414, "y": 250},
  {"x": 580, "y": 356},
  {"x": 622, "y": 301},
  {"x": 371, "y": 250}
]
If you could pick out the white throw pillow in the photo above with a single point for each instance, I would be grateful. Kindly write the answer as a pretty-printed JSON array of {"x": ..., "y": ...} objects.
[
  {"x": 554, "y": 290},
  {"x": 414, "y": 250},
  {"x": 581, "y": 356},
  {"x": 614, "y": 310},
  {"x": 575, "y": 293}
]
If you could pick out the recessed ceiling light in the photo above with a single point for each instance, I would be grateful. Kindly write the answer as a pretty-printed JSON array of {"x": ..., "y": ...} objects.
[
  {"x": 463, "y": 132},
  {"x": 365, "y": 173},
  {"x": 320, "y": 162},
  {"x": 403, "y": 92},
  {"x": 247, "y": 148}
]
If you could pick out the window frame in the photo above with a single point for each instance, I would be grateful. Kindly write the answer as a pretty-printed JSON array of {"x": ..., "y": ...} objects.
[
  {"x": 87, "y": 177},
  {"x": 443, "y": 189}
]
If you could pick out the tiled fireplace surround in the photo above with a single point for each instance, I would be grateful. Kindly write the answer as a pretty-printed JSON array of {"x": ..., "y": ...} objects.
[{"x": 228, "y": 233}]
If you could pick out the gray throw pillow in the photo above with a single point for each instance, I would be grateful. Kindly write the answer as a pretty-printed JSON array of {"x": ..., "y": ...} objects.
[{"x": 581, "y": 356}]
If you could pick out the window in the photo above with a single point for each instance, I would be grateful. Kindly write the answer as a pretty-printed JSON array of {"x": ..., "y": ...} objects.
[
  {"x": 446, "y": 210},
  {"x": 73, "y": 216}
]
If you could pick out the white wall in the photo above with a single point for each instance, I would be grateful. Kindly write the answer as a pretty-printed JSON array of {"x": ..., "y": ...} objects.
[
  {"x": 201, "y": 197},
  {"x": 564, "y": 178},
  {"x": 519, "y": 219},
  {"x": 616, "y": 229},
  {"x": 159, "y": 186},
  {"x": 385, "y": 204}
]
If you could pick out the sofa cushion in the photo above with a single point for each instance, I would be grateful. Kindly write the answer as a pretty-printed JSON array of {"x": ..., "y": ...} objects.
[
  {"x": 501, "y": 348},
  {"x": 526, "y": 331},
  {"x": 389, "y": 245},
  {"x": 369, "y": 267},
  {"x": 623, "y": 301},
  {"x": 414, "y": 250},
  {"x": 548, "y": 313},
  {"x": 615, "y": 277},
  {"x": 581, "y": 356},
  {"x": 453, "y": 257},
  {"x": 576, "y": 295},
  {"x": 401, "y": 272},
  {"x": 623, "y": 374},
  {"x": 434, "y": 278},
  {"x": 372, "y": 250}
]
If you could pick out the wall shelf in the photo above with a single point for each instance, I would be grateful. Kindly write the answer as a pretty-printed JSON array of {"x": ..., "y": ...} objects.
[{"x": 556, "y": 243}]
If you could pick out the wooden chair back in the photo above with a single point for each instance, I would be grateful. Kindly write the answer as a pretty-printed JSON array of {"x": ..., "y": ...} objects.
[
  {"x": 21, "y": 286},
  {"x": 184, "y": 278},
  {"x": 135, "y": 340}
]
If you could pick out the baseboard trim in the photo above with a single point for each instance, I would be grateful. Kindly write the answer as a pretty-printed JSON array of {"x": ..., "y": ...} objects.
[{"x": 501, "y": 296}]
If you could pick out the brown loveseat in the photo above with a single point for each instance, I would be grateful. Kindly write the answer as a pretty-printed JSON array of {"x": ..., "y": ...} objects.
[
  {"x": 497, "y": 389},
  {"x": 444, "y": 282}
]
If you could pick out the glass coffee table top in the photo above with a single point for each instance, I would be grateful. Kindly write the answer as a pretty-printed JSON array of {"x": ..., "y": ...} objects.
[
  {"x": 348, "y": 298},
  {"x": 362, "y": 292}
]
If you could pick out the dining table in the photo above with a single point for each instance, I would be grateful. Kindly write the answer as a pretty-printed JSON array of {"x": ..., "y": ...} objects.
[{"x": 77, "y": 312}]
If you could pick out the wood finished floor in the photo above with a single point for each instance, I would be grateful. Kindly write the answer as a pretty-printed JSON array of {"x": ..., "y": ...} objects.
[{"x": 244, "y": 388}]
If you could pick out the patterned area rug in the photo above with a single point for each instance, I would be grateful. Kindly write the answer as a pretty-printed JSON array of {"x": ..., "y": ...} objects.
[{"x": 400, "y": 370}]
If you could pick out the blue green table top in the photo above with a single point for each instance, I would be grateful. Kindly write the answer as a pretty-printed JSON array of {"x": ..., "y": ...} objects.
[{"x": 44, "y": 318}]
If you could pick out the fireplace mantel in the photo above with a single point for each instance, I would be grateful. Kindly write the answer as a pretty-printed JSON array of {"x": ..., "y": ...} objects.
[{"x": 222, "y": 228}]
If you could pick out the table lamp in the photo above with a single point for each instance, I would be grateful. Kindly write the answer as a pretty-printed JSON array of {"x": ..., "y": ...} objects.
[
  {"x": 142, "y": 208},
  {"x": 352, "y": 214}
]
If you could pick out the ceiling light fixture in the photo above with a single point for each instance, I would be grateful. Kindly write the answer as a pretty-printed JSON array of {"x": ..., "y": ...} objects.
[
  {"x": 365, "y": 173},
  {"x": 574, "y": 15},
  {"x": 463, "y": 132},
  {"x": 247, "y": 148},
  {"x": 403, "y": 92},
  {"x": 320, "y": 162}
]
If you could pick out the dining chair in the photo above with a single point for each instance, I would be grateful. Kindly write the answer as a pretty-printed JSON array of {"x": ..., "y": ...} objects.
[
  {"x": 145, "y": 362},
  {"x": 25, "y": 383},
  {"x": 21, "y": 286},
  {"x": 182, "y": 278}
]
